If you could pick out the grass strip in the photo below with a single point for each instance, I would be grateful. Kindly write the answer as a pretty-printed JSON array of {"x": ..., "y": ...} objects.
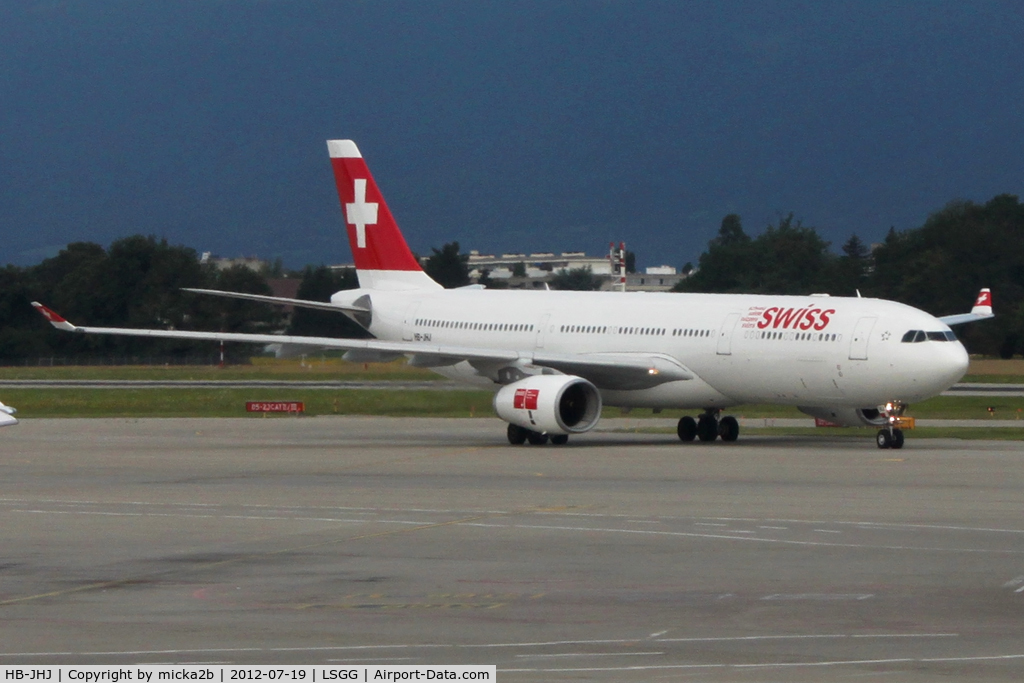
[
  {"x": 231, "y": 402},
  {"x": 207, "y": 402}
]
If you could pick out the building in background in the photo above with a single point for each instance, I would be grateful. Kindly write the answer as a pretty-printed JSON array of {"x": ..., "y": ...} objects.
[{"x": 535, "y": 270}]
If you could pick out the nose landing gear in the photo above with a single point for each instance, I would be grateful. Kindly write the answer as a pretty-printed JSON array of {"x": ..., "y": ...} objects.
[{"x": 891, "y": 436}]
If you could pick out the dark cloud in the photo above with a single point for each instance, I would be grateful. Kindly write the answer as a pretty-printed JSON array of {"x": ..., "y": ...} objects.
[{"x": 506, "y": 126}]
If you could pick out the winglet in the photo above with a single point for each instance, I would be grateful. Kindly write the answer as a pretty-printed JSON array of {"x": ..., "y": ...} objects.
[
  {"x": 982, "y": 310},
  {"x": 55, "y": 319},
  {"x": 983, "y": 305}
]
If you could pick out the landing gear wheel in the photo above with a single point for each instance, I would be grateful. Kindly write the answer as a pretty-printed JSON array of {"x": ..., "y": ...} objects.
[
  {"x": 728, "y": 428},
  {"x": 707, "y": 428},
  {"x": 516, "y": 435},
  {"x": 559, "y": 439},
  {"x": 897, "y": 438},
  {"x": 687, "y": 428},
  {"x": 883, "y": 438},
  {"x": 536, "y": 438}
]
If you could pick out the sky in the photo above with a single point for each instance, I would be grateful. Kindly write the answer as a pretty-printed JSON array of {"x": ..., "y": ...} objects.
[{"x": 508, "y": 126}]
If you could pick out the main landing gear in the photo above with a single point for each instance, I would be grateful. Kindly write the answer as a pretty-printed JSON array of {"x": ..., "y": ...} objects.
[
  {"x": 708, "y": 427},
  {"x": 890, "y": 436},
  {"x": 517, "y": 436}
]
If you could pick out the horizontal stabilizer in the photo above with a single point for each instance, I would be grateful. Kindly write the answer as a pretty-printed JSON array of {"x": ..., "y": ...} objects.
[{"x": 279, "y": 300}]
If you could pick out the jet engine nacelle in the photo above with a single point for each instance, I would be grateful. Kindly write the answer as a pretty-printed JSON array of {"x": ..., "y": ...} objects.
[
  {"x": 846, "y": 417},
  {"x": 550, "y": 404}
]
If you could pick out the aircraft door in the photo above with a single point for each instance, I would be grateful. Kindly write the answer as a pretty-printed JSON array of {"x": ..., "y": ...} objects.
[
  {"x": 409, "y": 322},
  {"x": 861, "y": 336},
  {"x": 542, "y": 329},
  {"x": 725, "y": 334}
]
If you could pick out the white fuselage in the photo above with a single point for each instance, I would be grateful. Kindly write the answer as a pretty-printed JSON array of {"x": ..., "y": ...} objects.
[{"x": 796, "y": 350}]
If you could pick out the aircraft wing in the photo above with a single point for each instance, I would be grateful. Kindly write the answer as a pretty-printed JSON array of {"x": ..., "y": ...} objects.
[
  {"x": 617, "y": 371},
  {"x": 7, "y": 415},
  {"x": 279, "y": 300},
  {"x": 962, "y": 318}
]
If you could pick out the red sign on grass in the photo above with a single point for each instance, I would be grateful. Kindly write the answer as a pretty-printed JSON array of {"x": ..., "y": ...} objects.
[{"x": 275, "y": 406}]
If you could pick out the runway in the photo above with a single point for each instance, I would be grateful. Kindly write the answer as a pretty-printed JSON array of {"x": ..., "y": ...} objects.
[{"x": 620, "y": 557}]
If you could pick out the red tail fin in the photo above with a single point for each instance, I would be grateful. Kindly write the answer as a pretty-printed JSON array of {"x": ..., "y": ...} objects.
[{"x": 382, "y": 257}]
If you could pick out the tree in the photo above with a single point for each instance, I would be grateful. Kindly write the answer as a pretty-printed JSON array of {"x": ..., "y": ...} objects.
[
  {"x": 519, "y": 269},
  {"x": 731, "y": 231},
  {"x": 136, "y": 282},
  {"x": 20, "y": 332},
  {"x": 237, "y": 315},
  {"x": 855, "y": 249},
  {"x": 580, "y": 279},
  {"x": 940, "y": 267},
  {"x": 850, "y": 271},
  {"x": 787, "y": 258},
  {"x": 488, "y": 282},
  {"x": 790, "y": 259},
  {"x": 725, "y": 266},
  {"x": 448, "y": 267}
]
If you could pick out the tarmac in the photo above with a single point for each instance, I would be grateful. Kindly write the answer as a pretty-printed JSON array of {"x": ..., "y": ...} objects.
[{"x": 619, "y": 557}]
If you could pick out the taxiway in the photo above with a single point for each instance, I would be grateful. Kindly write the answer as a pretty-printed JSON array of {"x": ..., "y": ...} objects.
[{"x": 619, "y": 557}]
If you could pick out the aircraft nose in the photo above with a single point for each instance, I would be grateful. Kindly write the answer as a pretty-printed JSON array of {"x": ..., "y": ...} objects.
[{"x": 954, "y": 362}]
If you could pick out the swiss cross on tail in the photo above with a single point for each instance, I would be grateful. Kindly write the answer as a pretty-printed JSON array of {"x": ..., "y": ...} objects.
[
  {"x": 360, "y": 213},
  {"x": 377, "y": 244}
]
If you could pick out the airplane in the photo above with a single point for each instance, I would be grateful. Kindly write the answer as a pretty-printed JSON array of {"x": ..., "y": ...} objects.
[
  {"x": 555, "y": 358},
  {"x": 7, "y": 415}
]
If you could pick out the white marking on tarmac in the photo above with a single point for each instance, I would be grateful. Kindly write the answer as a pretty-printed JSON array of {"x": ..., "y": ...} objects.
[
  {"x": 375, "y": 659},
  {"x": 592, "y": 654},
  {"x": 441, "y": 646},
  {"x": 775, "y": 665},
  {"x": 809, "y": 636},
  {"x": 878, "y": 525},
  {"x": 253, "y": 517},
  {"x": 752, "y": 539},
  {"x": 819, "y": 596},
  {"x": 898, "y": 525}
]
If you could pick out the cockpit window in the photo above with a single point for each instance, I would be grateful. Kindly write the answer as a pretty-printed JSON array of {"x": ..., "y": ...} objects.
[{"x": 915, "y": 336}]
